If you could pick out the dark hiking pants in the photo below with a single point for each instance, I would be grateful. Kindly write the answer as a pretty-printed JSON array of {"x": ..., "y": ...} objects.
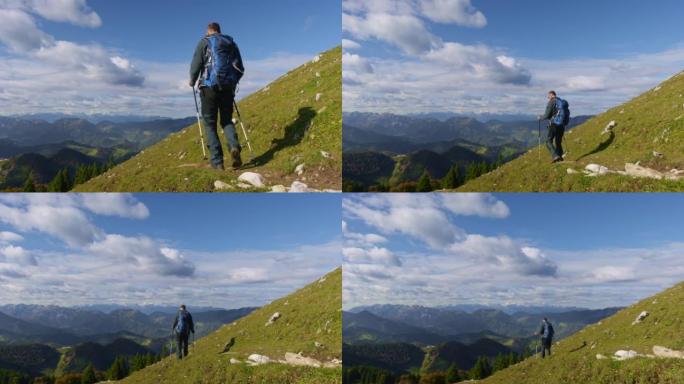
[
  {"x": 182, "y": 344},
  {"x": 215, "y": 101},
  {"x": 554, "y": 141},
  {"x": 546, "y": 346}
]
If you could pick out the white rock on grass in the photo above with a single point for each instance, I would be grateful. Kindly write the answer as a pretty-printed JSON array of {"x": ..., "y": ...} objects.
[
  {"x": 658, "y": 154},
  {"x": 609, "y": 127},
  {"x": 316, "y": 59},
  {"x": 625, "y": 355},
  {"x": 274, "y": 318},
  {"x": 572, "y": 171},
  {"x": 636, "y": 170},
  {"x": 222, "y": 186},
  {"x": 256, "y": 359},
  {"x": 235, "y": 361},
  {"x": 253, "y": 178},
  {"x": 642, "y": 316},
  {"x": 297, "y": 359},
  {"x": 325, "y": 154},
  {"x": 300, "y": 169},
  {"x": 278, "y": 189},
  {"x": 318, "y": 96},
  {"x": 299, "y": 187},
  {"x": 667, "y": 353},
  {"x": 596, "y": 169},
  {"x": 600, "y": 357}
]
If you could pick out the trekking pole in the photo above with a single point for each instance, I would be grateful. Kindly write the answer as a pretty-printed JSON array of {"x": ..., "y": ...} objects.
[
  {"x": 244, "y": 131},
  {"x": 539, "y": 140},
  {"x": 199, "y": 124}
]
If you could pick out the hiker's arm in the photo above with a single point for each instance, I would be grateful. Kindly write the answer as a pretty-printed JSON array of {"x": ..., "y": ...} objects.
[
  {"x": 197, "y": 62},
  {"x": 175, "y": 322},
  {"x": 192, "y": 323},
  {"x": 549, "y": 111}
]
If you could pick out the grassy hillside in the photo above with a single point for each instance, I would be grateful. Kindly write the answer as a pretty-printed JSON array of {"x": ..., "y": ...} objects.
[
  {"x": 574, "y": 359},
  {"x": 290, "y": 122},
  {"x": 652, "y": 122},
  {"x": 311, "y": 323}
]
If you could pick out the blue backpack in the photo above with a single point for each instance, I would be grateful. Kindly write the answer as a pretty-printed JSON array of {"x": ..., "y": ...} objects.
[
  {"x": 562, "y": 116},
  {"x": 222, "y": 62},
  {"x": 182, "y": 326}
]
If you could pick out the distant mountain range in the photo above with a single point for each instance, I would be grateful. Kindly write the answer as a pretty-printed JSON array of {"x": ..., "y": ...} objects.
[
  {"x": 94, "y": 118},
  {"x": 44, "y": 147},
  {"x": 401, "y": 338},
  {"x": 38, "y": 340},
  {"x": 392, "y": 149}
]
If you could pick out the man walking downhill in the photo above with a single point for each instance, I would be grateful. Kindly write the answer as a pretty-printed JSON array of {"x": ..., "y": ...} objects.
[
  {"x": 182, "y": 326},
  {"x": 217, "y": 65},
  {"x": 546, "y": 333},
  {"x": 558, "y": 114}
]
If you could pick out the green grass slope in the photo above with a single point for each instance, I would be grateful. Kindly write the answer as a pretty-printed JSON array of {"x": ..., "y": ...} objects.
[
  {"x": 309, "y": 316},
  {"x": 574, "y": 358},
  {"x": 287, "y": 126},
  {"x": 651, "y": 122}
]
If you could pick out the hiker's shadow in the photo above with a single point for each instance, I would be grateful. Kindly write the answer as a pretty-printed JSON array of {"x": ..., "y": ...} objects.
[
  {"x": 602, "y": 146},
  {"x": 294, "y": 134}
]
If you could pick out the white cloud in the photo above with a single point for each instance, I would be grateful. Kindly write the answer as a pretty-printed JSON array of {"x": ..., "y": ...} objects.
[
  {"x": 75, "y": 12},
  {"x": 460, "y": 12},
  {"x": 249, "y": 275},
  {"x": 476, "y": 204},
  {"x": 350, "y": 44},
  {"x": 406, "y": 32},
  {"x": 613, "y": 274},
  {"x": 10, "y": 237},
  {"x": 356, "y": 63},
  {"x": 144, "y": 253},
  {"x": 19, "y": 32},
  {"x": 373, "y": 255},
  {"x": 17, "y": 255},
  {"x": 586, "y": 83},
  {"x": 115, "y": 204}
]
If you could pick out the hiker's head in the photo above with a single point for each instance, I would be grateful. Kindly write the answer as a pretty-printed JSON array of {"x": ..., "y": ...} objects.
[
  {"x": 213, "y": 28},
  {"x": 182, "y": 307},
  {"x": 546, "y": 320},
  {"x": 552, "y": 95}
]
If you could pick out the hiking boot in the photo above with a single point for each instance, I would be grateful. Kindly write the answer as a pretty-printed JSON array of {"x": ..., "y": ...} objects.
[
  {"x": 218, "y": 167},
  {"x": 237, "y": 161}
]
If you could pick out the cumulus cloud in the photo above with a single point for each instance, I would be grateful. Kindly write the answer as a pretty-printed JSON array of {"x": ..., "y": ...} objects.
[
  {"x": 349, "y": 45},
  {"x": 476, "y": 204},
  {"x": 17, "y": 255},
  {"x": 75, "y": 12},
  {"x": 460, "y": 12},
  {"x": 115, "y": 204},
  {"x": 144, "y": 253},
  {"x": 10, "y": 237},
  {"x": 373, "y": 255}
]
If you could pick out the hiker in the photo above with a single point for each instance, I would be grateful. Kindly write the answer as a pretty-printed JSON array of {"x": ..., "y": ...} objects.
[
  {"x": 558, "y": 114},
  {"x": 546, "y": 333},
  {"x": 217, "y": 65},
  {"x": 182, "y": 326}
]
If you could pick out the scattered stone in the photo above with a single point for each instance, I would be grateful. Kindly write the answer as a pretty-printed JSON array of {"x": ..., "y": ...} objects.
[
  {"x": 316, "y": 59},
  {"x": 299, "y": 187},
  {"x": 600, "y": 357},
  {"x": 334, "y": 363},
  {"x": 235, "y": 361},
  {"x": 658, "y": 154},
  {"x": 300, "y": 169},
  {"x": 256, "y": 359},
  {"x": 273, "y": 318},
  {"x": 266, "y": 89},
  {"x": 297, "y": 359},
  {"x": 637, "y": 170},
  {"x": 317, "y": 344},
  {"x": 642, "y": 316},
  {"x": 625, "y": 355},
  {"x": 658, "y": 88},
  {"x": 668, "y": 353},
  {"x": 596, "y": 169},
  {"x": 322, "y": 280},
  {"x": 572, "y": 171},
  {"x": 622, "y": 112},
  {"x": 222, "y": 186},
  {"x": 253, "y": 178},
  {"x": 245, "y": 186},
  {"x": 318, "y": 74},
  {"x": 318, "y": 96},
  {"x": 609, "y": 127},
  {"x": 278, "y": 189},
  {"x": 325, "y": 154}
]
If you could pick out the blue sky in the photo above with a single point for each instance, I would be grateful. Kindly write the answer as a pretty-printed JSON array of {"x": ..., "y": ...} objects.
[
  {"x": 71, "y": 51},
  {"x": 502, "y": 56},
  {"x": 164, "y": 248},
  {"x": 587, "y": 250}
]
